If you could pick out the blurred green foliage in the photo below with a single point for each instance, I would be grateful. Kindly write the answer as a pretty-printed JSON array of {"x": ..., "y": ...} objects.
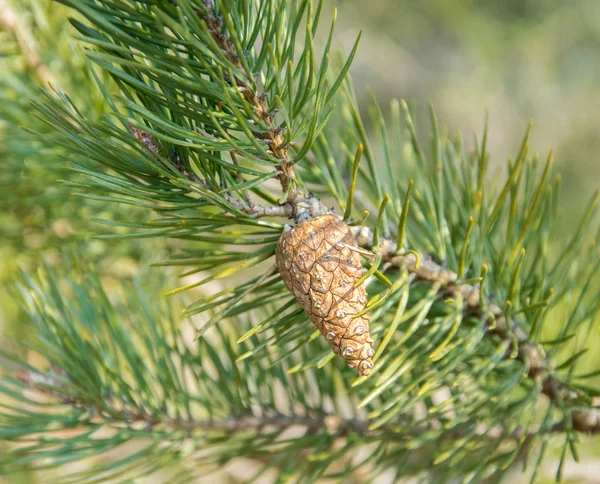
[{"x": 39, "y": 214}]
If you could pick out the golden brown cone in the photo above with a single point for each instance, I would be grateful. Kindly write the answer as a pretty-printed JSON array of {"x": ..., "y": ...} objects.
[{"x": 319, "y": 267}]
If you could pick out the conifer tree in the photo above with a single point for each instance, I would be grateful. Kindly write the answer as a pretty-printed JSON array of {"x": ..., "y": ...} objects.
[{"x": 225, "y": 126}]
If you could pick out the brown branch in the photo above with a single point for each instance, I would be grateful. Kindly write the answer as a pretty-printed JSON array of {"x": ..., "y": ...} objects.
[
  {"x": 12, "y": 24},
  {"x": 246, "y": 206},
  {"x": 115, "y": 412},
  {"x": 299, "y": 206},
  {"x": 303, "y": 207},
  {"x": 273, "y": 137},
  {"x": 528, "y": 352},
  {"x": 257, "y": 211}
]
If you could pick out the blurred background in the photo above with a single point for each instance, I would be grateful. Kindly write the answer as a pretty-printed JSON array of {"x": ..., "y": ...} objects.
[{"x": 520, "y": 60}]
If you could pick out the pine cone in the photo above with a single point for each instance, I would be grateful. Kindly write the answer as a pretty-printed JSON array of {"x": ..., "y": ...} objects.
[{"x": 319, "y": 267}]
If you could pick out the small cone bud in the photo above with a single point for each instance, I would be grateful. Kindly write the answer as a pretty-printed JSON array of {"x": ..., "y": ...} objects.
[
  {"x": 319, "y": 267},
  {"x": 145, "y": 138}
]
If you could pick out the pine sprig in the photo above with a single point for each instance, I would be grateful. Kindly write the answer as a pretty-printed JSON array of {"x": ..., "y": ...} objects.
[
  {"x": 465, "y": 284},
  {"x": 198, "y": 81}
]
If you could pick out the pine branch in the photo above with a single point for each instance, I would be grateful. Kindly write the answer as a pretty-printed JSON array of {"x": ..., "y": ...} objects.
[
  {"x": 339, "y": 431},
  {"x": 273, "y": 137},
  {"x": 455, "y": 375},
  {"x": 296, "y": 204},
  {"x": 115, "y": 412},
  {"x": 300, "y": 207},
  {"x": 526, "y": 351},
  {"x": 529, "y": 353},
  {"x": 97, "y": 350}
]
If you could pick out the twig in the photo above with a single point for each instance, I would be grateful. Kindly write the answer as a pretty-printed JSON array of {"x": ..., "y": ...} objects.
[
  {"x": 276, "y": 426},
  {"x": 274, "y": 135},
  {"x": 54, "y": 384},
  {"x": 246, "y": 205},
  {"x": 257, "y": 211},
  {"x": 584, "y": 420},
  {"x": 119, "y": 414},
  {"x": 12, "y": 24}
]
